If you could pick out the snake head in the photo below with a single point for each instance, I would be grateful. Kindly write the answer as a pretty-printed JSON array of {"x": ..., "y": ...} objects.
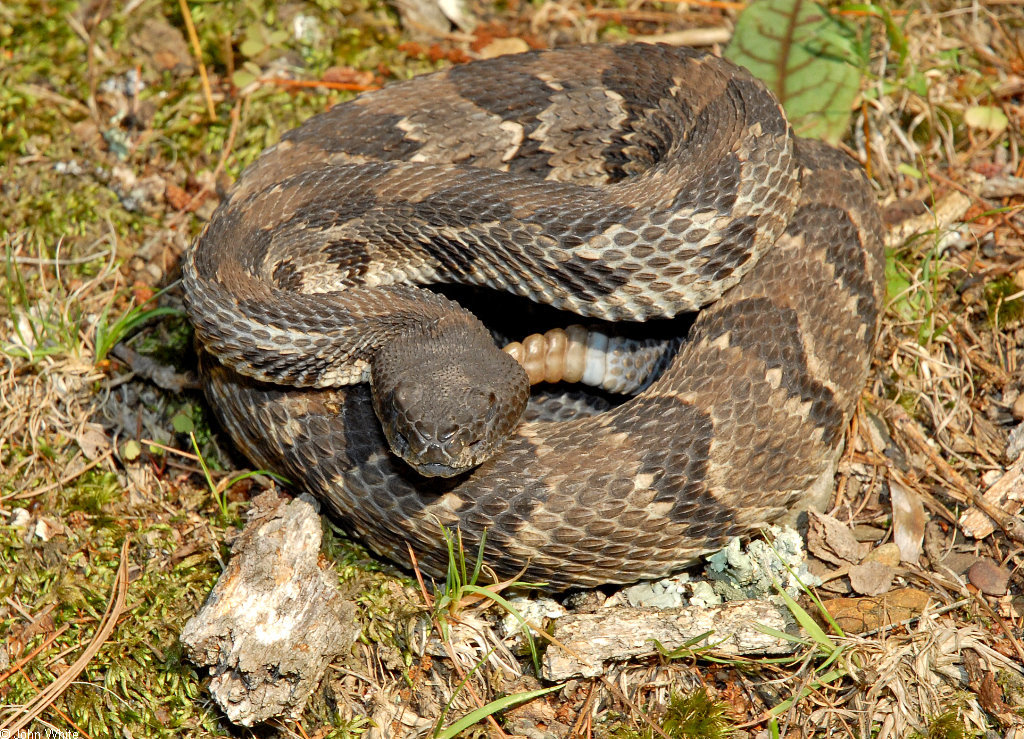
[{"x": 446, "y": 396}]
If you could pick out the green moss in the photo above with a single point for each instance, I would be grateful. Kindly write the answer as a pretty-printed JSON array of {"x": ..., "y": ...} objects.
[
  {"x": 947, "y": 725},
  {"x": 169, "y": 342},
  {"x": 1003, "y": 313},
  {"x": 692, "y": 716},
  {"x": 139, "y": 679},
  {"x": 92, "y": 493}
]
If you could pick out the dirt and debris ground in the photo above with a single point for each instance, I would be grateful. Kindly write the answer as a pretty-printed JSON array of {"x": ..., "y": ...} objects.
[{"x": 116, "y": 142}]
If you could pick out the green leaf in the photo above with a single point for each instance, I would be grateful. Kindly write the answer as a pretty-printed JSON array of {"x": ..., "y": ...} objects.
[
  {"x": 491, "y": 708},
  {"x": 252, "y": 46},
  {"x": 904, "y": 300},
  {"x": 986, "y": 117},
  {"x": 108, "y": 335},
  {"x": 182, "y": 423},
  {"x": 131, "y": 451},
  {"x": 811, "y": 60},
  {"x": 809, "y": 625},
  {"x": 242, "y": 78}
]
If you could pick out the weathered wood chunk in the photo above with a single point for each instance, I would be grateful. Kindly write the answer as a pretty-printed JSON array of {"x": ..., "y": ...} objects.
[
  {"x": 590, "y": 640},
  {"x": 275, "y": 619}
]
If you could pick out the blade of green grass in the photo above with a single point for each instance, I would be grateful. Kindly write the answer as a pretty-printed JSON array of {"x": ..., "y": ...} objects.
[{"x": 490, "y": 709}]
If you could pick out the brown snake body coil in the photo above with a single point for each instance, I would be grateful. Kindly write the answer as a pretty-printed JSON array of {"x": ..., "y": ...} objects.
[{"x": 622, "y": 183}]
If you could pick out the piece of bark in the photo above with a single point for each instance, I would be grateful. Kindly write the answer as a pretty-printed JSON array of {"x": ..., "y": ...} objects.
[
  {"x": 908, "y": 522},
  {"x": 1006, "y": 494},
  {"x": 947, "y": 211},
  {"x": 274, "y": 620},
  {"x": 871, "y": 578},
  {"x": 833, "y": 541},
  {"x": 587, "y": 641}
]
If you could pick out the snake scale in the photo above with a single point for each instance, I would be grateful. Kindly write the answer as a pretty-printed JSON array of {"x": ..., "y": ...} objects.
[{"x": 623, "y": 183}]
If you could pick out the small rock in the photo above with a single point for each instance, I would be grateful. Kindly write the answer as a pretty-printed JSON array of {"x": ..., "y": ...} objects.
[
  {"x": 988, "y": 577},
  {"x": 857, "y": 615},
  {"x": 704, "y": 595},
  {"x": 667, "y": 593},
  {"x": 887, "y": 554},
  {"x": 19, "y": 518}
]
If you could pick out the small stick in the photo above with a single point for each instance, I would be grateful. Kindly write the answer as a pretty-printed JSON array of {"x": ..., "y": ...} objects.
[
  {"x": 354, "y": 86},
  {"x": 1011, "y": 526},
  {"x": 194, "y": 38}
]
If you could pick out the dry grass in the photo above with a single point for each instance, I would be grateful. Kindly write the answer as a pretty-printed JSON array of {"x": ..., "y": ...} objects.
[{"x": 104, "y": 184}]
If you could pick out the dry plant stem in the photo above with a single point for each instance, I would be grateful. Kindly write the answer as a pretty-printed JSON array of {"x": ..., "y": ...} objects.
[
  {"x": 614, "y": 689},
  {"x": 1002, "y": 624},
  {"x": 56, "y": 710},
  {"x": 170, "y": 449},
  {"x": 1000, "y": 375},
  {"x": 352, "y": 86},
  {"x": 1011, "y": 526},
  {"x": 193, "y": 37},
  {"x": 115, "y": 606},
  {"x": 584, "y": 712},
  {"x": 933, "y": 173},
  {"x": 689, "y": 37},
  {"x": 866, "y": 127},
  {"x": 719, "y": 4}
]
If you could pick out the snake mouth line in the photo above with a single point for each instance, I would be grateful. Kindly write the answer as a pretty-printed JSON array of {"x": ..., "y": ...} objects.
[{"x": 433, "y": 469}]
